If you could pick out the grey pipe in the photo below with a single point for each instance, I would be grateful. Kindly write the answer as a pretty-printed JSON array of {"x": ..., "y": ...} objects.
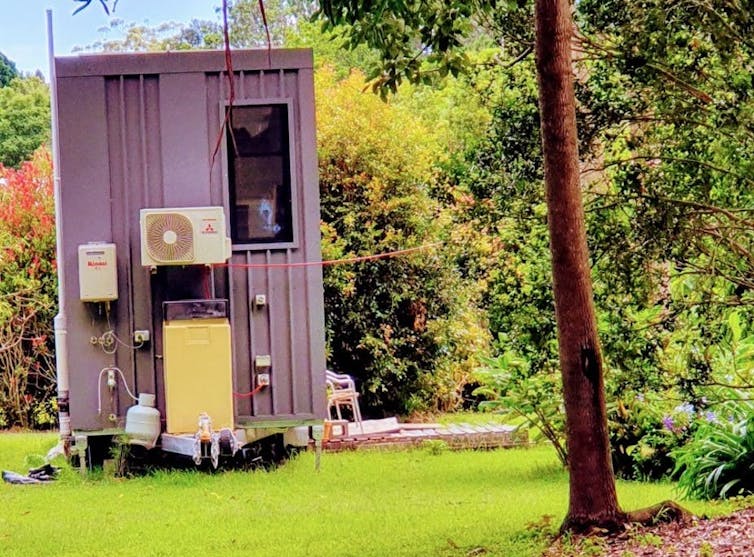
[{"x": 61, "y": 326}]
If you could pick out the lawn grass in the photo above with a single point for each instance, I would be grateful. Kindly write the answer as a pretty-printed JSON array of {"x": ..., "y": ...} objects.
[{"x": 391, "y": 503}]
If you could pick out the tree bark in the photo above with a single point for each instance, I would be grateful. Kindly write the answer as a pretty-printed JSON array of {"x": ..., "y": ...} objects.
[{"x": 593, "y": 501}]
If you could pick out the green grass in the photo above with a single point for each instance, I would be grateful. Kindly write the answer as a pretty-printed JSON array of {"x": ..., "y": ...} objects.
[{"x": 399, "y": 503}]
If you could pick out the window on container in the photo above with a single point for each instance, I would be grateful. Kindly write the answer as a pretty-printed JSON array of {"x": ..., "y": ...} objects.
[{"x": 259, "y": 175}]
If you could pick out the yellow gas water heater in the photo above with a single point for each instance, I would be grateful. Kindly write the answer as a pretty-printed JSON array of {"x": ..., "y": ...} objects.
[{"x": 197, "y": 365}]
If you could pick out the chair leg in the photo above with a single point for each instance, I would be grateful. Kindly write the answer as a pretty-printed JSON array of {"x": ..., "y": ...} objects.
[
  {"x": 357, "y": 413},
  {"x": 356, "y": 410}
]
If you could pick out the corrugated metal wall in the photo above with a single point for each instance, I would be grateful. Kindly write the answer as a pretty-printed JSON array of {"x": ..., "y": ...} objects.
[{"x": 139, "y": 131}]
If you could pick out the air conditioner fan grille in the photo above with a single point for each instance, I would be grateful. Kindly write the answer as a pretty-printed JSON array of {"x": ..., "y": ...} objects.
[{"x": 170, "y": 237}]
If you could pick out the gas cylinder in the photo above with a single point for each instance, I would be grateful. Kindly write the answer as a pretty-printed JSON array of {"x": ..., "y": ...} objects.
[{"x": 143, "y": 422}]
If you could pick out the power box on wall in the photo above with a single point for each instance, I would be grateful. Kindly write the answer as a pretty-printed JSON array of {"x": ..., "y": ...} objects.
[{"x": 98, "y": 272}]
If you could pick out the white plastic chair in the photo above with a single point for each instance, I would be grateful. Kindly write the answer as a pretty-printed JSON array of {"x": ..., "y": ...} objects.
[{"x": 341, "y": 391}]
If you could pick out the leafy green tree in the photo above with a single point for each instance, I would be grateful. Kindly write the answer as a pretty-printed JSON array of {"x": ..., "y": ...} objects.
[
  {"x": 679, "y": 152},
  {"x": 593, "y": 499},
  {"x": 24, "y": 119},
  {"x": 8, "y": 70},
  {"x": 290, "y": 25},
  {"x": 668, "y": 204}
]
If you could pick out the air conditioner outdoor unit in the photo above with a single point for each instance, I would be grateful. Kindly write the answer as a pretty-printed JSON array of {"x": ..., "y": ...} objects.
[{"x": 183, "y": 236}]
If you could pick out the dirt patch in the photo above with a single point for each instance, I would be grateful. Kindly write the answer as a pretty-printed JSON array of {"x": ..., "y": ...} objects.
[{"x": 728, "y": 536}]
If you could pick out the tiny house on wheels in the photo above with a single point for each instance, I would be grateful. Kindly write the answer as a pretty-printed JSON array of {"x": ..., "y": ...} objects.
[{"x": 191, "y": 319}]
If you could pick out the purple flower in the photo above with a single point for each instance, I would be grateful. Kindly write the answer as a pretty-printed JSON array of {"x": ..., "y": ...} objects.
[
  {"x": 686, "y": 408},
  {"x": 640, "y": 397},
  {"x": 711, "y": 417},
  {"x": 668, "y": 423}
]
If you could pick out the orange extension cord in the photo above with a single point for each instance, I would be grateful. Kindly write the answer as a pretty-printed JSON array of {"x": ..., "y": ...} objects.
[{"x": 251, "y": 393}]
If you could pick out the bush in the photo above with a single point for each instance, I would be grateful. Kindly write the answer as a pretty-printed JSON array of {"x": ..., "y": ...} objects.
[
  {"x": 718, "y": 461},
  {"x": 407, "y": 327},
  {"x": 644, "y": 429},
  {"x": 27, "y": 294},
  {"x": 508, "y": 383},
  {"x": 654, "y": 366}
]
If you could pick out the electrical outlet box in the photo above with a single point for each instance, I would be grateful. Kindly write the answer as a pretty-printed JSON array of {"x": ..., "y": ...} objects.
[
  {"x": 141, "y": 337},
  {"x": 98, "y": 272},
  {"x": 263, "y": 361},
  {"x": 263, "y": 379},
  {"x": 260, "y": 300}
]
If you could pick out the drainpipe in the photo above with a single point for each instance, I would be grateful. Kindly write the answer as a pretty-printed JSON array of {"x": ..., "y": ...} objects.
[{"x": 61, "y": 330}]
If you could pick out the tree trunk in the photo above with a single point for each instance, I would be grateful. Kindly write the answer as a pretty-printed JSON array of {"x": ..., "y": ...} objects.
[{"x": 593, "y": 501}]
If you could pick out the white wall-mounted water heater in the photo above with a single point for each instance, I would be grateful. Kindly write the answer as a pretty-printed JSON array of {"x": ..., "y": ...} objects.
[{"x": 98, "y": 272}]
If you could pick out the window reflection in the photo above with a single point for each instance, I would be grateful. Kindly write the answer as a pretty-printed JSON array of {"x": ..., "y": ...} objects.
[{"x": 259, "y": 175}]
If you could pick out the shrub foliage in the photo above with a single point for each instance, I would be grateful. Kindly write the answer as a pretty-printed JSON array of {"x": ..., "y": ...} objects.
[
  {"x": 718, "y": 461},
  {"x": 27, "y": 293},
  {"x": 406, "y": 327}
]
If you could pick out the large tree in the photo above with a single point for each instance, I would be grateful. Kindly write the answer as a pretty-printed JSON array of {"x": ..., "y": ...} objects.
[
  {"x": 418, "y": 41},
  {"x": 593, "y": 499}
]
